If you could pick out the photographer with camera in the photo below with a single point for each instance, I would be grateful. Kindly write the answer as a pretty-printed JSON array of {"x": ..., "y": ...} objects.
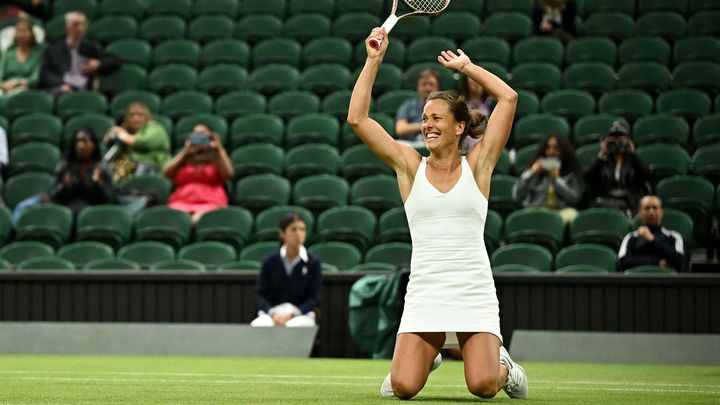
[
  {"x": 553, "y": 180},
  {"x": 617, "y": 175},
  {"x": 199, "y": 173}
]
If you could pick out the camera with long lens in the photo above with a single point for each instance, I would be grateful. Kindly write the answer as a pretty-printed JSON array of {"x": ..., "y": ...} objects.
[{"x": 619, "y": 146}]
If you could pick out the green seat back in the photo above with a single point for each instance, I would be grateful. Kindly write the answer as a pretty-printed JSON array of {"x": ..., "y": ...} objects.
[
  {"x": 339, "y": 254},
  {"x": 587, "y": 254},
  {"x": 81, "y": 253},
  {"x": 146, "y": 253},
  {"x": 522, "y": 254},
  {"x": 209, "y": 253}
]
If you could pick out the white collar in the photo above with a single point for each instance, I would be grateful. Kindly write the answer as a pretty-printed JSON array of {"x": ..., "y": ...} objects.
[{"x": 302, "y": 253}]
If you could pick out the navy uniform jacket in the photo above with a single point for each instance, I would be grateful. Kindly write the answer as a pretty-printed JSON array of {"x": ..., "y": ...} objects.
[
  {"x": 636, "y": 251},
  {"x": 301, "y": 288}
]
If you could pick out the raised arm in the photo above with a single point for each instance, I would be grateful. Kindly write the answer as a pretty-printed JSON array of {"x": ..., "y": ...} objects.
[
  {"x": 485, "y": 154},
  {"x": 372, "y": 133}
]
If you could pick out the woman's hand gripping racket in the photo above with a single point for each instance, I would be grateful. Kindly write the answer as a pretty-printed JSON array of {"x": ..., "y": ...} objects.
[{"x": 416, "y": 7}]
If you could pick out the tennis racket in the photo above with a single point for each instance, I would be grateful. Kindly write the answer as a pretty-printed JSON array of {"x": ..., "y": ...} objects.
[{"x": 416, "y": 7}]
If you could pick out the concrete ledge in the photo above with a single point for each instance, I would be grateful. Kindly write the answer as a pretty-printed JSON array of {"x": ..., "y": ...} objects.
[
  {"x": 606, "y": 347},
  {"x": 155, "y": 339}
]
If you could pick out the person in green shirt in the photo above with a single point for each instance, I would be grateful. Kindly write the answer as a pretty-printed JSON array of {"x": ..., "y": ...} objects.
[
  {"x": 145, "y": 143},
  {"x": 20, "y": 65}
]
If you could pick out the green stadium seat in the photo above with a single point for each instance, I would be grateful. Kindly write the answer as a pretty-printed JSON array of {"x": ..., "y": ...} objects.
[
  {"x": 351, "y": 139},
  {"x": 410, "y": 76},
  {"x": 660, "y": 128},
  {"x": 112, "y": 28},
  {"x": 163, "y": 224},
  {"x": 586, "y": 153},
  {"x": 374, "y": 267},
  {"x": 591, "y": 49},
  {"x": 284, "y": 51},
  {"x": 378, "y": 193},
  {"x": 503, "y": 164},
  {"x": 702, "y": 5},
  {"x": 274, "y": 7},
  {"x": 45, "y": 263},
  {"x": 131, "y": 8},
  {"x": 476, "y": 7},
  {"x": 690, "y": 104},
  {"x": 185, "y": 125},
  {"x": 261, "y": 191},
  {"x": 120, "y": 103},
  {"x": 239, "y": 103},
  {"x": 644, "y": 49},
  {"x": 342, "y": 255},
  {"x": 393, "y": 226},
  {"x": 24, "y": 185},
  {"x": 222, "y": 78},
  {"x": 207, "y": 28},
  {"x": 110, "y": 224},
  {"x": 306, "y": 27},
  {"x": 702, "y": 75},
  {"x": 605, "y": 6},
  {"x": 16, "y": 252},
  {"x": 167, "y": 79},
  {"x": 79, "y": 102},
  {"x": 356, "y": 26},
  {"x": 536, "y": 127},
  {"x": 312, "y": 128},
  {"x": 257, "y": 128},
  {"x": 274, "y": 78},
  {"x": 320, "y": 192},
  {"x": 127, "y": 77},
  {"x": 162, "y": 28},
  {"x": 290, "y": 104},
  {"x": 487, "y": 49},
  {"x": 36, "y": 127},
  {"x": 511, "y": 26},
  {"x": 540, "y": 77},
  {"x": 228, "y": 8},
  {"x": 691, "y": 49},
  {"x": 706, "y": 130},
  {"x": 665, "y": 159},
  {"x": 186, "y": 102},
  {"x": 55, "y": 29},
  {"x": 329, "y": 50},
  {"x": 258, "y": 250},
  {"x": 397, "y": 254},
  {"x": 267, "y": 221},
  {"x": 323, "y": 79},
  {"x": 649, "y": 268},
  {"x": 662, "y": 24},
  {"x": 628, "y": 103},
  {"x": 359, "y": 161},
  {"x": 255, "y": 28},
  {"x": 131, "y": 50},
  {"x": 704, "y": 23},
  {"x": 34, "y": 157},
  {"x": 81, "y": 253},
  {"x": 613, "y": 25},
  {"x": 180, "y": 8},
  {"x": 147, "y": 184},
  {"x": 501, "y": 198},
  {"x": 693, "y": 195},
  {"x": 592, "y": 128},
  {"x": 375, "y": 7},
  {"x": 493, "y": 231},
  {"x": 241, "y": 265},
  {"x": 604, "y": 226},
  {"x": 180, "y": 51},
  {"x": 26, "y": 102},
  {"x": 524, "y": 158},
  {"x": 179, "y": 265},
  {"x": 456, "y": 25},
  {"x": 337, "y": 102},
  {"x": 209, "y": 253},
  {"x": 515, "y": 255},
  {"x": 496, "y": 69},
  {"x": 100, "y": 123},
  {"x": 587, "y": 254},
  {"x": 146, "y": 253},
  {"x": 257, "y": 158},
  {"x": 5, "y": 227},
  {"x": 311, "y": 159},
  {"x": 48, "y": 223},
  {"x": 521, "y": 6},
  {"x": 112, "y": 264},
  {"x": 528, "y": 103},
  {"x": 229, "y": 50},
  {"x": 230, "y": 225},
  {"x": 581, "y": 269},
  {"x": 389, "y": 102},
  {"x": 324, "y": 7},
  {"x": 571, "y": 104},
  {"x": 539, "y": 49},
  {"x": 535, "y": 225},
  {"x": 87, "y": 7},
  {"x": 649, "y": 76},
  {"x": 678, "y": 6}
]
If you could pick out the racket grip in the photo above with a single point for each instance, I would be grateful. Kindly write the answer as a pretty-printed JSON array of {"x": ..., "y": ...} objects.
[{"x": 387, "y": 26}]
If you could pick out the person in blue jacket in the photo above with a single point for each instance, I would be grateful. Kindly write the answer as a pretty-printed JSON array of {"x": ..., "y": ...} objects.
[{"x": 288, "y": 289}]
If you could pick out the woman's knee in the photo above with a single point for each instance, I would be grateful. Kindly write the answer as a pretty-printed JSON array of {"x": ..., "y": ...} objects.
[
  {"x": 404, "y": 388},
  {"x": 483, "y": 388}
]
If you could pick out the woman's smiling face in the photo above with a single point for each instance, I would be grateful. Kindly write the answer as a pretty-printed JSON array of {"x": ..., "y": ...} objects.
[{"x": 439, "y": 127}]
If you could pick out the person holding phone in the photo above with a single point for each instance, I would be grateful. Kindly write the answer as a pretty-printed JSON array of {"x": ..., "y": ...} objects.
[
  {"x": 553, "y": 180},
  {"x": 199, "y": 173}
]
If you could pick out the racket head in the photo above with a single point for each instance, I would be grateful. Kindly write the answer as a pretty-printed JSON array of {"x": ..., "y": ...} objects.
[{"x": 429, "y": 7}]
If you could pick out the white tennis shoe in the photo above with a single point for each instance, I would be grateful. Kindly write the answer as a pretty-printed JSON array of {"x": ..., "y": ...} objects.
[
  {"x": 516, "y": 383},
  {"x": 386, "y": 388}
]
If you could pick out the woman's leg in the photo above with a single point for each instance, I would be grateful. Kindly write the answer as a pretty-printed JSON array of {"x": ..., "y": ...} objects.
[
  {"x": 484, "y": 374},
  {"x": 413, "y": 357}
]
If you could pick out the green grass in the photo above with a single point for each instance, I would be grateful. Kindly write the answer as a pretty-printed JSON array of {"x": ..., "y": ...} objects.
[{"x": 210, "y": 380}]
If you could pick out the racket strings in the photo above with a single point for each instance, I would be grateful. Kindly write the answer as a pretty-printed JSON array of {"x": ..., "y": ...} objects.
[{"x": 428, "y": 6}]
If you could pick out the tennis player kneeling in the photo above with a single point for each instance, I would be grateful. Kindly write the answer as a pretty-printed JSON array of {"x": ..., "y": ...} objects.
[{"x": 451, "y": 290}]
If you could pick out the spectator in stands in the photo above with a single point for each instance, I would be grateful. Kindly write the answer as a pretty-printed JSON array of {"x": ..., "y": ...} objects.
[
  {"x": 409, "y": 115},
  {"x": 4, "y": 155},
  {"x": 81, "y": 179},
  {"x": 555, "y": 18},
  {"x": 21, "y": 8},
  {"x": 21, "y": 63},
  {"x": 477, "y": 99},
  {"x": 553, "y": 180},
  {"x": 652, "y": 243},
  {"x": 617, "y": 175},
  {"x": 139, "y": 146},
  {"x": 72, "y": 63},
  {"x": 288, "y": 288},
  {"x": 199, "y": 172}
]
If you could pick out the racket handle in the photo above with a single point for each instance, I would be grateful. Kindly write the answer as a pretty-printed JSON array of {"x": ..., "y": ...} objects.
[{"x": 387, "y": 26}]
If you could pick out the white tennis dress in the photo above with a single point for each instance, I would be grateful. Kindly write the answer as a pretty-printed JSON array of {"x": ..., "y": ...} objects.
[{"x": 451, "y": 288}]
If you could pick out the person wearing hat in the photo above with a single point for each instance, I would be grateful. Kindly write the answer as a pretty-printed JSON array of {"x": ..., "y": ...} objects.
[{"x": 617, "y": 175}]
